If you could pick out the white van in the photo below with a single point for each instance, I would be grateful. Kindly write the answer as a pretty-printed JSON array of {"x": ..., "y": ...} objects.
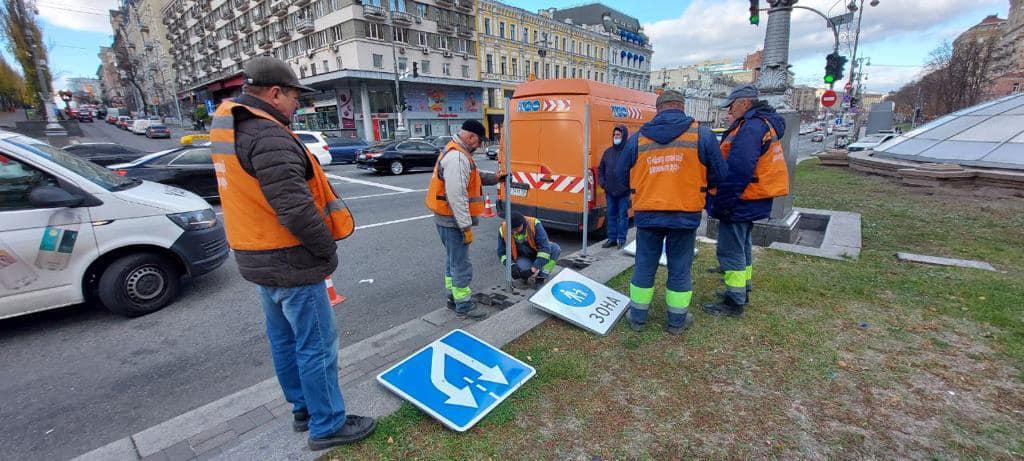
[
  {"x": 72, "y": 231},
  {"x": 139, "y": 126}
]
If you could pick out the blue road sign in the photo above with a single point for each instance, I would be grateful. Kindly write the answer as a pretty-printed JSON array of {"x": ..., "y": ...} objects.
[
  {"x": 209, "y": 107},
  {"x": 839, "y": 121},
  {"x": 457, "y": 379}
]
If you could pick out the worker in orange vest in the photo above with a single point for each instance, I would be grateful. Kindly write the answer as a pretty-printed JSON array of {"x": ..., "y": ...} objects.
[
  {"x": 533, "y": 254},
  {"x": 282, "y": 218},
  {"x": 456, "y": 197},
  {"x": 757, "y": 174}
]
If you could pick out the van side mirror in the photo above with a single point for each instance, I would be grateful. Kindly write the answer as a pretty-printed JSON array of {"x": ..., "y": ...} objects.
[{"x": 53, "y": 197}]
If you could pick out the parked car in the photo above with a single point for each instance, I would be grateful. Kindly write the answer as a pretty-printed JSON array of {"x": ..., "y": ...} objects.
[
  {"x": 344, "y": 150},
  {"x": 818, "y": 137},
  {"x": 190, "y": 168},
  {"x": 139, "y": 126},
  {"x": 158, "y": 131},
  {"x": 84, "y": 117},
  {"x": 870, "y": 141},
  {"x": 492, "y": 151},
  {"x": 105, "y": 153},
  {"x": 397, "y": 157},
  {"x": 440, "y": 141},
  {"x": 72, "y": 231},
  {"x": 111, "y": 119},
  {"x": 317, "y": 144},
  {"x": 123, "y": 121}
]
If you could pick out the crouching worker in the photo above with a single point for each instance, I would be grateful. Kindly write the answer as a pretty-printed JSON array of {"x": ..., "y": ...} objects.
[{"x": 533, "y": 255}]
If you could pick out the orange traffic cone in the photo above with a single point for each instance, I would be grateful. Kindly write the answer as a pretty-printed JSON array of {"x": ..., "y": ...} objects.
[
  {"x": 335, "y": 297},
  {"x": 489, "y": 208}
]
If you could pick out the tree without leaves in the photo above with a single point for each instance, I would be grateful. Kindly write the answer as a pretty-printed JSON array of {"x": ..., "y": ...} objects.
[
  {"x": 25, "y": 41},
  {"x": 129, "y": 65}
]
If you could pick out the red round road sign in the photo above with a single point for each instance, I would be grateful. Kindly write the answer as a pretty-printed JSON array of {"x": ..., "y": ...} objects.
[
  {"x": 828, "y": 98},
  {"x": 849, "y": 86}
]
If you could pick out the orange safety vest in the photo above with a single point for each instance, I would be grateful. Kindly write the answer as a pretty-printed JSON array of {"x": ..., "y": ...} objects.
[
  {"x": 669, "y": 177},
  {"x": 249, "y": 220},
  {"x": 531, "y": 236},
  {"x": 771, "y": 175},
  {"x": 436, "y": 199}
]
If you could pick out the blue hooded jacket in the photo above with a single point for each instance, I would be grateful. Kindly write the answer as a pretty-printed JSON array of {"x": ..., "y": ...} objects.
[
  {"x": 609, "y": 162},
  {"x": 663, "y": 129},
  {"x": 747, "y": 148}
]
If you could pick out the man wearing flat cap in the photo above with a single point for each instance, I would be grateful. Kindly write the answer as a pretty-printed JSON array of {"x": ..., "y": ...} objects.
[
  {"x": 757, "y": 174},
  {"x": 282, "y": 218},
  {"x": 456, "y": 197},
  {"x": 669, "y": 166}
]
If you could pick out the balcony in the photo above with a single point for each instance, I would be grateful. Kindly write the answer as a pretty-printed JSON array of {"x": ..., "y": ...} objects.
[
  {"x": 445, "y": 28},
  {"x": 465, "y": 6},
  {"x": 197, "y": 13},
  {"x": 261, "y": 20},
  {"x": 304, "y": 26},
  {"x": 401, "y": 18},
  {"x": 280, "y": 9},
  {"x": 465, "y": 31},
  {"x": 265, "y": 43},
  {"x": 375, "y": 12},
  {"x": 445, "y": 3},
  {"x": 301, "y": 3},
  {"x": 227, "y": 14},
  {"x": 212, "y": 44},
  {"x": 284, "y": 35},
  {"x": 241, "y": 5},
  {"x": 209, "y": 25},
  {"x": 244, "y": 28}
]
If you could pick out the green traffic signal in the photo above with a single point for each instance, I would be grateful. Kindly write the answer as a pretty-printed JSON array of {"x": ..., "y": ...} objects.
[
  {"x": 755, "y": 20},
  {"x": 830, "y": 78}
]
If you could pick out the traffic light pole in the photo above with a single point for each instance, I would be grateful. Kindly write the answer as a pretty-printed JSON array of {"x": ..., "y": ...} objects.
[{"x": 400, "y": 131}]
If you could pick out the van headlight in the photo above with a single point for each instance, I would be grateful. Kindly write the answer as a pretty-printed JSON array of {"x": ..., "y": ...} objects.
[{"x": 195, "y": 220}]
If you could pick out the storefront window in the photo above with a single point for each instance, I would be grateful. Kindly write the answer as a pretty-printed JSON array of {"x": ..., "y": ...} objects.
[{"x": 319, "y": 119}]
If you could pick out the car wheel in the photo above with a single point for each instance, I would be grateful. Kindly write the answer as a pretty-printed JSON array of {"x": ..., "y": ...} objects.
[
  {"x": 139, "y": 284},
  {"x": 397, "y": 167}
]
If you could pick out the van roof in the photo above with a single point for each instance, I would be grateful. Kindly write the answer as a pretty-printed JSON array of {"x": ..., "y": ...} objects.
[{"x": 582, "y": 86}]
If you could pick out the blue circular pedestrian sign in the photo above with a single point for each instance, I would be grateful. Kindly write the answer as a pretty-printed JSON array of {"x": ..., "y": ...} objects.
[{"x": 573, "y": 294}]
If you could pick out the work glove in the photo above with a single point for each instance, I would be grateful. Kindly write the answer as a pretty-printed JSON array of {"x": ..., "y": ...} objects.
[
  {"x": 467, "y": 236},
  {"x": 516, "y": 273}
]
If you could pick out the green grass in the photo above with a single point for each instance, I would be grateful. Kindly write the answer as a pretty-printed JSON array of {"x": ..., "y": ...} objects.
[{"x": 797, "y": 377}]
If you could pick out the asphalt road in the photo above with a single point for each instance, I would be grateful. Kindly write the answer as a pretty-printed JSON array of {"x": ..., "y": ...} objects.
[{"x": 80, "y": 377}]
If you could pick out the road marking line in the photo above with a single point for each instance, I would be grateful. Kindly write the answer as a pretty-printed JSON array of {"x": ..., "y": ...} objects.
[
  {"x": 382, "y": 195},
  {"x": 415, "y": 218},
  {"x": 370, "y": 183}
]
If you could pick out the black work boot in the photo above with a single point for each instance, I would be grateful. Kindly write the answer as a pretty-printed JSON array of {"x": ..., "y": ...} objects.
[
  {"x": 356, "y": 428},
  {"x": 725, "y": 307},
  {"x": 540, "y": 279},
  {"x": 609, "y": 244},
  {"x": 301, "y": 421},
  {"x": 473, "y": 313},
  {"x": 451, "y": 303},
  {"x": 675, "y": 330}
]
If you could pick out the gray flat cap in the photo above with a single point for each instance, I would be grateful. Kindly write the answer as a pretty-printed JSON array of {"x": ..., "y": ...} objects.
[
  {"x": 670, "y": 96},
  {"x": 269, "y": 71},
  {"x": 741, "y": 92}
]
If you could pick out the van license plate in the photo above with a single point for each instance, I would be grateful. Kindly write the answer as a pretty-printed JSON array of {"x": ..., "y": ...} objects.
[{"x": 517, "y": 192}]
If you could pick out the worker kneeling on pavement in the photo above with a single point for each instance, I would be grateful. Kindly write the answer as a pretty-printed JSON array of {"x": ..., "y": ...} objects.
[
  {"x": 533, "y": 254},
  {"x": 669, "y": 165}
]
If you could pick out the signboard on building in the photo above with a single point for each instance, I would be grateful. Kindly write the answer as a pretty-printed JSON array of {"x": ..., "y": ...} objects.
[
  {"x": 346, "y": 111},
  {"x": 443, "y": 101}
]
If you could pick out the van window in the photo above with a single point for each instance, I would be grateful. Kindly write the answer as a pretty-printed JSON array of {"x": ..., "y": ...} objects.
[
  {"x": 96, "y": 174},
  {"x": 16, "y": 181}
]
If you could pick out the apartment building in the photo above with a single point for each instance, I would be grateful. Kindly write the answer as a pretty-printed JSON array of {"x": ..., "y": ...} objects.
[
  {"x": 138, "y": 25},
  {"x": 350, "y": 50},
  {"x": 516, "y": 45},
  {"x": 111, "y": 90},
  {"x": 629, "y": 60}
]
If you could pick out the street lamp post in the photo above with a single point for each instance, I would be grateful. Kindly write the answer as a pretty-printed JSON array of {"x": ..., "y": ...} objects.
[
  {"x": 400, "y": 131},
  {"x": 854, "y": 8}
]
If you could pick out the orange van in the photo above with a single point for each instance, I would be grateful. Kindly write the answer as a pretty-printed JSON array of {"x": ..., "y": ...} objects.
[{"x": 547, "y": 123}]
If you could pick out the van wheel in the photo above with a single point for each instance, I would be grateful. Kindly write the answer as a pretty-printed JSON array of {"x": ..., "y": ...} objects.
[
  {"x": 139, "y": 284},
  {"x": 397, "y": 167}
]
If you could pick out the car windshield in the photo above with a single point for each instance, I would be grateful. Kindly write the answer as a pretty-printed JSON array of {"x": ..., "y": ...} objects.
[{"x": 96, "y": 174}]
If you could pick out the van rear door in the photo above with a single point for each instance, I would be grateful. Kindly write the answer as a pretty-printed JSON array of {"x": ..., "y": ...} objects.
[{"x": 547, "y": 168}]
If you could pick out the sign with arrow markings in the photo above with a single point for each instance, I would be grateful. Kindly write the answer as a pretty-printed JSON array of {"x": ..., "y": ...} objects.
[{"x": 457, "y": 379}]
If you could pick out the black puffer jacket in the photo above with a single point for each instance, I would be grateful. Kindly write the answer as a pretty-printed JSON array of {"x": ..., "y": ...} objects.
[{"x": 282, "y": 167}]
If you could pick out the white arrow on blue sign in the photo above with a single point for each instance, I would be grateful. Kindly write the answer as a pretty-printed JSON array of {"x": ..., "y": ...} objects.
[
  {"x": 581, "y": 301},
  {"x": 457, "y": 379}
]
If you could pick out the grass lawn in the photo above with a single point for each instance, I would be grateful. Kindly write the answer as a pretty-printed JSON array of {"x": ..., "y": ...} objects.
[{"x": 864, "y": 359}]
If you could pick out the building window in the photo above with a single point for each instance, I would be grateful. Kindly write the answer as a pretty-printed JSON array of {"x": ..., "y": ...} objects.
[
  {"x": 312, "y": 68},
  {"x": 534, "y": 36},
  {"x": 573, "y": 73},
  {"x": 326, "y": 67},
  {"x": 339, "y": 63},
  {"x": 490, "y": 64},
  {"x": 374, "y": 31},
  {"x": 589, "y": 76},
  {"x": 504, "y": 66},
  {"x": 547, "y": 70},
  {"x": 572, "y": 46},
  {"x": 588, "y": 49},
  {"x": 302, "y": 72},
  {"x": 465, "y": 71},
  {"x": 501, "y": 29},
  {"x": 398, "y": 5},
  {"x": 556, "y": 71},
  {"x": 515, "y": 67},
  {"x": 487, "y": 26},
  {"x": 400, "y": 35},
  {"x": 378, "y": 61},
  {"x": 563, "y": 43},
  {"x": 425, "y": 67},
  {"x": 1016, "y": 87},
  {"x": 403, "y": 64},
  {"x": 446, "y": 69},
  {"x": 512, "y": 32},
  {"x": 536, "y": 69},
  {"x": 422, "y": 39},
  {"x": 421, "y": 10},
  {"x": 565, "y": 71},
  {"x": 526, "y": 34}
]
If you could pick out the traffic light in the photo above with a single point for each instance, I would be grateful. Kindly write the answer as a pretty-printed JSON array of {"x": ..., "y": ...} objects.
[
  {"x": 755, "y": 12},
  {"x": 415, "y": 69},
  {"x": 834, "y": 64}
]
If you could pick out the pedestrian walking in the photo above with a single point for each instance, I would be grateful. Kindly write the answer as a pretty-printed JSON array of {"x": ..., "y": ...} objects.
[
  {"x": 757, "y": 174},
  {"x": 282, "y": 218},
  {"x": 669, "y": 166},
  {"x": 533, "y": 254},
  {"x": 616, "y": 194},
  {"x": 456, "y": 197}
]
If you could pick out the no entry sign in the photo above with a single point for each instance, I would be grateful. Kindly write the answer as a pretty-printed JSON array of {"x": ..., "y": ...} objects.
[{"x": 828, "y": 98}]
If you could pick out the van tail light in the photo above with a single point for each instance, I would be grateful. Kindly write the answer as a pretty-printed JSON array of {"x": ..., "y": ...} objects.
[
  {"x": 121, "y": 172},
  {"x": 592, "y": 199}
]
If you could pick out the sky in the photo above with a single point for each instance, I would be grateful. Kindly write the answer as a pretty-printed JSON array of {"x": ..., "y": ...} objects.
[{"x": 896, "y": 36}]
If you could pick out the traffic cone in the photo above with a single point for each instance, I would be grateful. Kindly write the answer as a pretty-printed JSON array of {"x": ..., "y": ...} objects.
[
  {"x": 335, "y": 297},
  {"x": 489, "y": 208}
]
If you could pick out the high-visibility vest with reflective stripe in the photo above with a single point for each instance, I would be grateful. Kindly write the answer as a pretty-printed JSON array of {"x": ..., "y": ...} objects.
[
  {"x": 530, "y": 228},
  {"x": 249, "y": 221},
  {"x": 771, "y": 175},
  {"x": 669, "y": 177},
  {"x": 437, "y": 200}
]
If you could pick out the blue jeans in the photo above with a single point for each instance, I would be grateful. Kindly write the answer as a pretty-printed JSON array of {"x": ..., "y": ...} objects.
[
  {"x": 678, "y": 245},
  {"x": 525, "y": 264},
  {"x": 304, "y": 345},
  {"x": 735, "y": 258},
  {"x": 458, "y": 271},
  {"x": 618, "y": 217}
]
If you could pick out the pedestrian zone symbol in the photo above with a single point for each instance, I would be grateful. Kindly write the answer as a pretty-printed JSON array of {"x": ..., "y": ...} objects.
[
  {"x": 457, "y": 379},
  {"x": 581, "y": 301}
]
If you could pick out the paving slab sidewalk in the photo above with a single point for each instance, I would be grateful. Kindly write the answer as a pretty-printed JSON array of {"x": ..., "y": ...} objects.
[{"x": 255, "y": 423}]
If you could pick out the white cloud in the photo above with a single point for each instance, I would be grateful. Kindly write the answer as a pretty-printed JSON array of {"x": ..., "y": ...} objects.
[
  {"x": 717, "y": 29},
  {"x": 84, "y": 15}
]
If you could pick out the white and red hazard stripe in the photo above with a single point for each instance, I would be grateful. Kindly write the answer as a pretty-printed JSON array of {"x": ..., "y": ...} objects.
[
  {"x": 635, "y": 113},
  {"x": 556, "y": 105},
  {"x": 551, "y": 182}
]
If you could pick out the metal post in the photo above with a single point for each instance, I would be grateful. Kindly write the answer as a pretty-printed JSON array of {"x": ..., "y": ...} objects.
[
  {"x": 506, "y": 142},
  {"x": 586, "y": 175},
  {"x": 400, "y": 131}
]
